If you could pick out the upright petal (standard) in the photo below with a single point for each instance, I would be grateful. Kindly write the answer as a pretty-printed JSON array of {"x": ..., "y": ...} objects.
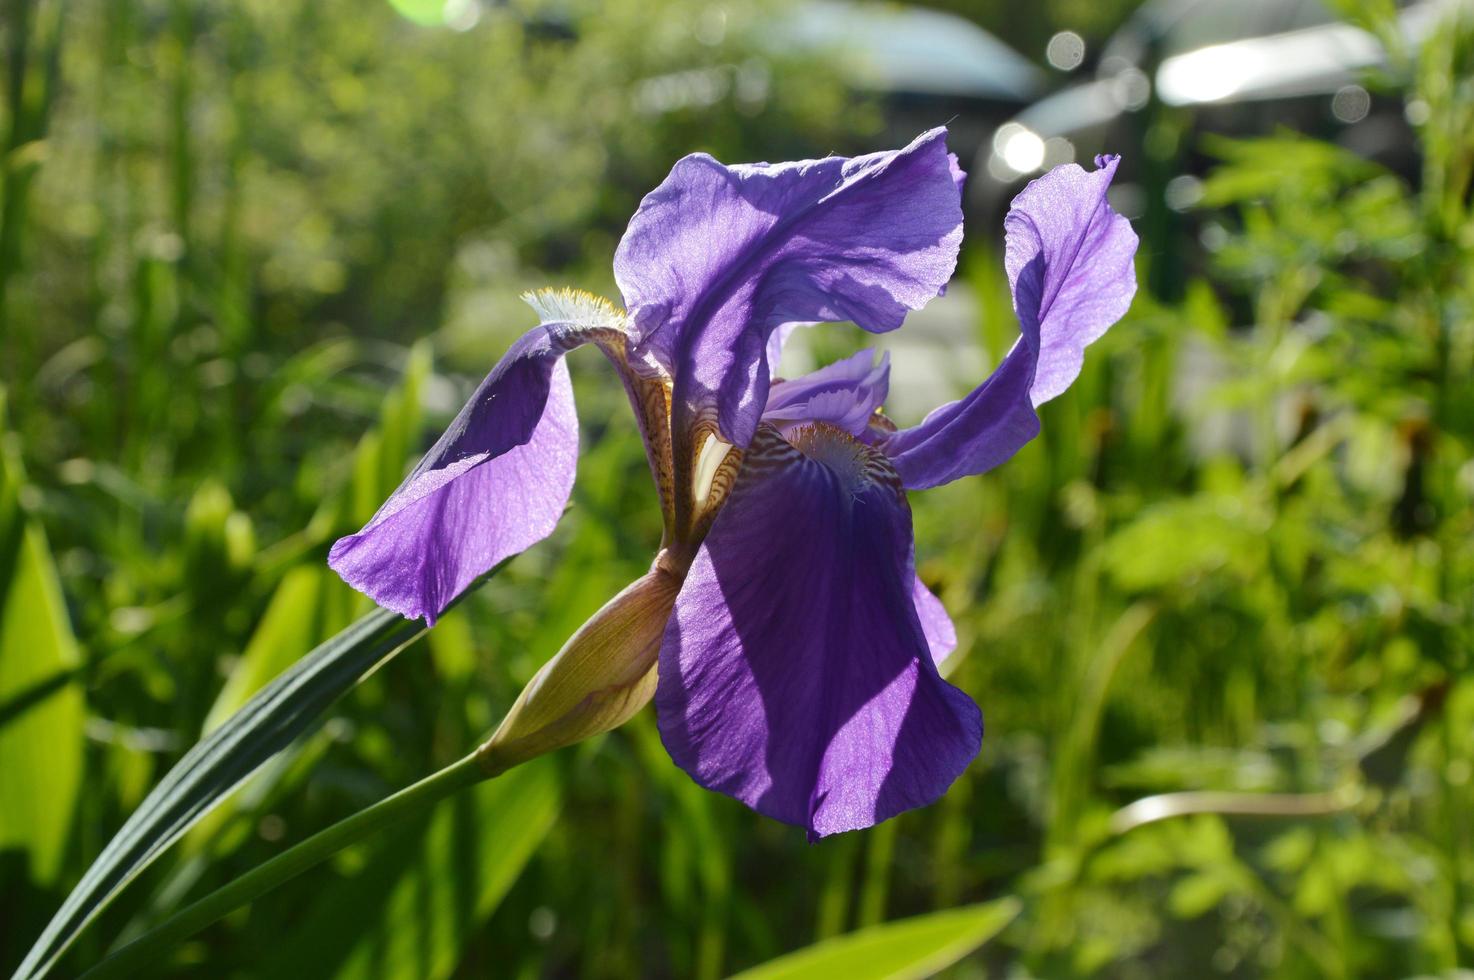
[
  {"x": 717, "y": 257},
  {"x": 1069, "y": 261},
  {"x": 845, "y": 394}
]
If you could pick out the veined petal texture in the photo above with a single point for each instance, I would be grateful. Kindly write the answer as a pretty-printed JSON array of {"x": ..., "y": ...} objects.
[
  {"x": 795, "y": 674},
  {"x": 1069, "y": 262},
  {"x": 845, "y": 394},
  {"x": 494, "y": 484},
  {"x": 718, "y": 257}
]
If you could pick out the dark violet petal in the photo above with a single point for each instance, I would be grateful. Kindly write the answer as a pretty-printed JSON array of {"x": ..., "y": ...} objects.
[
  {"x": 795, "y": 675},
  {"x": 941, "y": 635},
  {"x": 718, "y": 257},
  {"x": 494, "y": 484},
  {"x": 1069, "y": 261},
  {"x": 845, "y": 394}
]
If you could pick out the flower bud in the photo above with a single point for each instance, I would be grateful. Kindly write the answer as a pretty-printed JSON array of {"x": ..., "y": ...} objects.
[{"x": 602, "y": 676}]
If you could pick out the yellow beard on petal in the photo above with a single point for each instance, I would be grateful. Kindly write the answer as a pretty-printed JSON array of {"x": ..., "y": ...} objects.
[{"x": 844, "y": 455}]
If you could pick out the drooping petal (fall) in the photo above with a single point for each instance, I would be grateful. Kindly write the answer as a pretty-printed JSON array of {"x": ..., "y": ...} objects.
[
  {"x": 493, "y": 485},
  {"x": 1069, "y": 262},
  {"x": 795, "y": 674},
  {"x": 718, "y": 257},
  {"x": 941, "y": 635}
]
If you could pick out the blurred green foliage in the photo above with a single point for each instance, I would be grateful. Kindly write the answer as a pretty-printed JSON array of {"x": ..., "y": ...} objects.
[
  {"x": 41, "y": 732},
  {"x": 1219, "y": 616}
]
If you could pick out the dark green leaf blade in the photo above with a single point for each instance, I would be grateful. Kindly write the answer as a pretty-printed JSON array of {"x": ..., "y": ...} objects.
[
  {"x": 207, "y": 774},
  {"x": 410, "y": 911}
]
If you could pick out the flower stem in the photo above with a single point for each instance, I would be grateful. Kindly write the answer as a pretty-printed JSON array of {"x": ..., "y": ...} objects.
[
  {"x": 143, "y": 952},
  {"x": 1168, "y": 805}
]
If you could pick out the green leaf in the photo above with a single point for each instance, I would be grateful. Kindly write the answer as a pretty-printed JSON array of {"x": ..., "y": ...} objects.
[
  {"x": 287, "y": 631},
  {"x": 236, "y": 745},
  {"x": 297, "y": 618},
  {"x": 41, "y": 737},
  {"x": 384, "y": 452},
  {"x": 284, "y": 709},
  {"x": 400, "y": 420},
  {"x": 915, "y": 947},
  {"x": 1176, "y": 542},
  {"x": 411, "y": 910},
  {"x": 1198, "y": 894}
]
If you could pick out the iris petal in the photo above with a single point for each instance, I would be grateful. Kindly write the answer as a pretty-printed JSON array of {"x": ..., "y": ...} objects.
[
  {"x": 941, "y": 635},
  {"x": 1069, "y": 261},
  {"x": 718, "y": 257},
  {"x": 493, "y": 485},
  {"x": 845, "y": 394},
  {"x": 795, "y": 674}
]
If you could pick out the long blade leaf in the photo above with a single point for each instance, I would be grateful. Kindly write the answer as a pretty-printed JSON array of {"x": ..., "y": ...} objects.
[
  {"x": 916, "y": 947},
  {"x": 267, "y": 723},
  {"x": 41, "y": 711},
  {"x": 411, "y": 911}
]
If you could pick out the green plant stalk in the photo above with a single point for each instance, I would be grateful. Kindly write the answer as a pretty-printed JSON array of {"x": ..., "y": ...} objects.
[
  {"x": 881, "y": 846},
  {"x": 834, "y": 894},
  {"x": 138, "y": 955},
  {"x": 31, "y": 83},
  {"x": 1077, "y": 750}
]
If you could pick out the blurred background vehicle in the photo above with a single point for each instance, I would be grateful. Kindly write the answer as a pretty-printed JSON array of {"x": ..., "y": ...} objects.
[
  {"x": 1179, "y": 70},
  {"x": 923, "y": 65}
]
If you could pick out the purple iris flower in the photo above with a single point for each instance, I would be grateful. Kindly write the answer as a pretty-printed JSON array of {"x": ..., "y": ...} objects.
[{"x": 797, "y": 670}]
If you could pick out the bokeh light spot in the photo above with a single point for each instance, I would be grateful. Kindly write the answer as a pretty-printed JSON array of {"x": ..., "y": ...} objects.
[
  {"x": 1020, "y": 148},
  {"x": 1351, "y": 104},
  {"x": 1065, "y": 51}
]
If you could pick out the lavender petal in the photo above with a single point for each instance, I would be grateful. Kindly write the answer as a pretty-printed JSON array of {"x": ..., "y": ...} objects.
[
  {"x": 845, "y": 394},
  {"x": 495, "y": 484},
  {"x": 718, "y": 257},
  {"x": 1069, "y": 261},
  {"x": 497, "y": 480}
]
